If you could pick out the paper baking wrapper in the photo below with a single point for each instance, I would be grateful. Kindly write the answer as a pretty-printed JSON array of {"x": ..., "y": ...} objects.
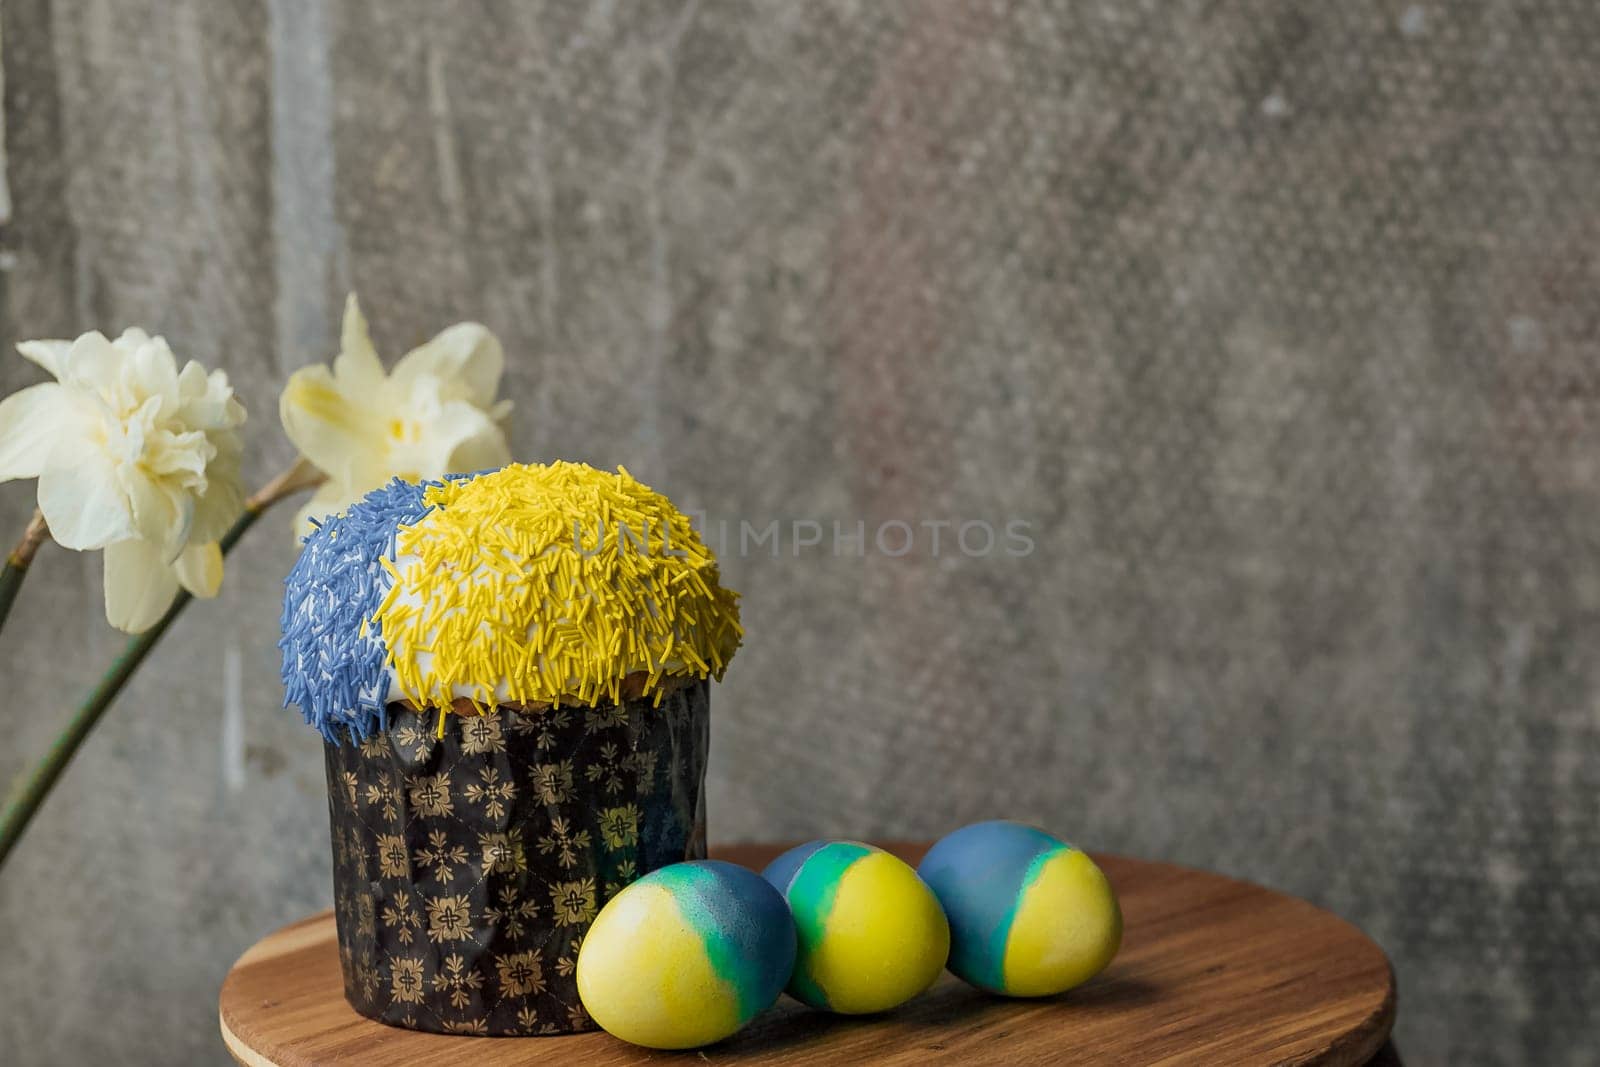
[{"x": 467, "y": 868}]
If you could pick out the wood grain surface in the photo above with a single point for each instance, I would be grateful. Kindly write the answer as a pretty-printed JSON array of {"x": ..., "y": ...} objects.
[{"x": 1211, "y": 971}]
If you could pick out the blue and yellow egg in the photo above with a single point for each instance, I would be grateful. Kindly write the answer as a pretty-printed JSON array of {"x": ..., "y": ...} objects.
[
  {"x": 1030, "y": 916},
  {"x": 686, "y": 955},
  {"x": 871, "y": 935}
]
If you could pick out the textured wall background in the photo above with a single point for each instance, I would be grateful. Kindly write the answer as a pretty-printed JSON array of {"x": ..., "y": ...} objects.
[{"x": 1279, "y": 321}]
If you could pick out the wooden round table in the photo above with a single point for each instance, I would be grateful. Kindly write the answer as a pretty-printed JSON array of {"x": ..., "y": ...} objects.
[{"x": 1212, "y": 970}]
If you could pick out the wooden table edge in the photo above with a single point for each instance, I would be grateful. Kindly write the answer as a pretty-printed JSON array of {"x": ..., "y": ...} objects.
[
  {"x": 1365, "y": 1041},
  {"x": 240, "y": 1051}
]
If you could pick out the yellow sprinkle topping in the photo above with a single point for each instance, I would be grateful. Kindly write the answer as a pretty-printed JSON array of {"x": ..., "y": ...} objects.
[{"x": 551, "y": 584}]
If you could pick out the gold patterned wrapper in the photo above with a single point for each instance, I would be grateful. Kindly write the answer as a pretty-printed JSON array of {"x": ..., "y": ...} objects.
[{"x": 467, "y": 868}]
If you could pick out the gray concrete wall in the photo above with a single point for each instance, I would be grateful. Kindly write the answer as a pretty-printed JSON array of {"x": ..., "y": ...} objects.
[{"x": 1277, "y": 321}]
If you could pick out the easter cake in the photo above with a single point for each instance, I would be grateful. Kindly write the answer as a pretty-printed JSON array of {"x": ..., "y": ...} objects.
[{"x": 510, "y": 671}]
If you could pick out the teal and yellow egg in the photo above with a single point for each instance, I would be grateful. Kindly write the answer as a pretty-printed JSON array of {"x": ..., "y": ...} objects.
[
  {"x": 871, "y": 935},
  {"x": 1030, "y": 916},
  {"x": 686, "y": 955}
]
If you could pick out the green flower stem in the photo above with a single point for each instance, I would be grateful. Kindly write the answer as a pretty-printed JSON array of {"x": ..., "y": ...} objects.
[
  {"x": 28, "y": 791},
  {"x": 10, "y": 581},
  {"x": 16, "y": 567}
]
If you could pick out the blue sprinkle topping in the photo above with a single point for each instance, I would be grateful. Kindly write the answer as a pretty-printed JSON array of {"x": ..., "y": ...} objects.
[{"x": 333, "y": 650}]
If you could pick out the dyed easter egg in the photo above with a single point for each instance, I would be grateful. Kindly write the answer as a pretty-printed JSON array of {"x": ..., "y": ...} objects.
[
  {"x": 871, "y": 935},
  {"x": 1029, "y": 914},
  {"x": 686, "y": 955}
]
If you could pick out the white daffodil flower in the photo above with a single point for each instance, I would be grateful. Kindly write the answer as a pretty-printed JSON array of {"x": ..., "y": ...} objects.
[
  {"x": 133, "y": 456},
  {"x": 435, "y": 414}
]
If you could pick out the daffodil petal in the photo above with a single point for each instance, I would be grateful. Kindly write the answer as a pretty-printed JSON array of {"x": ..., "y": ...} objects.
[
  {"x": 139, "y": 585},
  {"x": 90, "y": 363},
  {"x": 221, "y": 503},
  {"x": 30, "y": 422},
  {"x": 83, "y": 502},
  {"x": 357, "y": 365},
  {"x": 150, "y": 369},
  {"x": 482, "y": 451},
  {"x": 329, "y": 499},
  {"x": 46, "y": 354},
  {"x": 465, "y": 354},
  {"x": 163, "y": 513},
  {"x": 199, "y": 569},
  {"x": 206, "y": 401},
  {"x": 189, "y": 452},
  {"x": 192, "y": 381},
  {"x": 327, "y": 428}
]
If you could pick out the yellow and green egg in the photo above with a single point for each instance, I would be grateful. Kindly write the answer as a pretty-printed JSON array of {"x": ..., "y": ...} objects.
[
  {"x": 1030, "y": 916},
  {"x": 871, "y": 934},
  {"x": 686, "y": 955}
]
